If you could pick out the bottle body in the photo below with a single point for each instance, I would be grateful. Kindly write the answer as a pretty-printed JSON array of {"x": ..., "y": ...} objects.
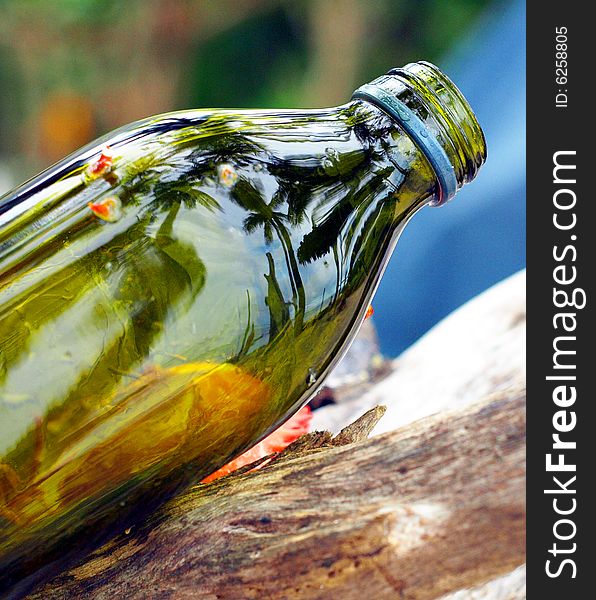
[{"x": 171, "y": 294}]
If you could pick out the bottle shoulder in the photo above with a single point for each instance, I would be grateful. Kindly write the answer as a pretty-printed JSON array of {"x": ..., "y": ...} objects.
[{"x": 180, "y": 130}]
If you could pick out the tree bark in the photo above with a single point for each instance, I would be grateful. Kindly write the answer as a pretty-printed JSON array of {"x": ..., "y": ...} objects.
[{"x": 414, "y": 513}]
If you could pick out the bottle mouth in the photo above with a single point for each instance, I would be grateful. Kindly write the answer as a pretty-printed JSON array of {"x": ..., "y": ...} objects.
[{"x": 437, "y": 117}]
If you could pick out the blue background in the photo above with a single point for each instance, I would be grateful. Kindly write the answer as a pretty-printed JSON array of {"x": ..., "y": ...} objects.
[{"x": 449, "y": 254}]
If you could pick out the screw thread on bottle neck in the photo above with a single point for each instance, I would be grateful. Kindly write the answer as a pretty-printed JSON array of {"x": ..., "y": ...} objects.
[{"x": 431, "y": 109}]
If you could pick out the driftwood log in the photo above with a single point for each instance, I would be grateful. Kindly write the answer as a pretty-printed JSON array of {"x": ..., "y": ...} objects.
[
  {"x": 475, "y": 351},
  {"x": 422, "y": 511}
]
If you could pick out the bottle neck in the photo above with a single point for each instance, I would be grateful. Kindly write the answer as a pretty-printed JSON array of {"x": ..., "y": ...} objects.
[{"x": 437, "y": 118}]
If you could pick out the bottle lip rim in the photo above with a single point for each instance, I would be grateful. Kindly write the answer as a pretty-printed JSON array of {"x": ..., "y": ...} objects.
[
  {"x": 420, "y": 135},
  {"x": 460, "y": 97},
  {"x": 427, "y": 105},
  {"x": 471, "y": 134}
]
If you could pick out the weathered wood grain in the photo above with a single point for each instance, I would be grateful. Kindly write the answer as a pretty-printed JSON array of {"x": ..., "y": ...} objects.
[
  {"x": 414, "y": 513},
  {"x": 434, "y": 509}
]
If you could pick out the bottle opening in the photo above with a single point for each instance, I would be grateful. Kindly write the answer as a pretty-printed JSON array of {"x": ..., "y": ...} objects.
[{"x": 437, "y": 117}]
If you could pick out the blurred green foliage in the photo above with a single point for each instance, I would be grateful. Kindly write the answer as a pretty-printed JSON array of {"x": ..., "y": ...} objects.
[{"x": 101, "y": 63}]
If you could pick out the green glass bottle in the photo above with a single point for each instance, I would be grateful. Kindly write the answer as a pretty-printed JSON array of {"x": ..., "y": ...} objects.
[{"x": 174, "y": 291}]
